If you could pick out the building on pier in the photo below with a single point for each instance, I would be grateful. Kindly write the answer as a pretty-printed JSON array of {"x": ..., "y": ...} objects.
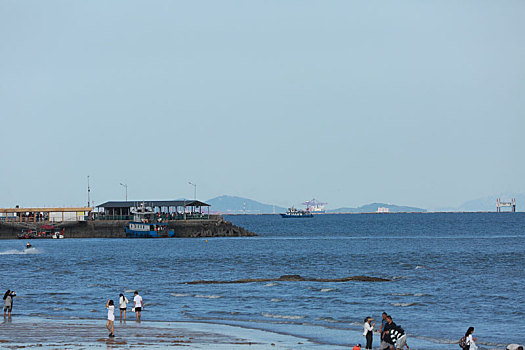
[
  {"x": 165, "y": 210},
  {"x": 31, "y": 215}
]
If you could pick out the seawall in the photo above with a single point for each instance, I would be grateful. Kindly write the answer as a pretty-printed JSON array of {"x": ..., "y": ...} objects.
[{"x": 214, "y": 227}]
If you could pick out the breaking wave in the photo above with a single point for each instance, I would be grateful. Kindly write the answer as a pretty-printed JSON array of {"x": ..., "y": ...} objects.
[
  {"x": 207, "y": 296},
  {"x": 284, "y": 317}
]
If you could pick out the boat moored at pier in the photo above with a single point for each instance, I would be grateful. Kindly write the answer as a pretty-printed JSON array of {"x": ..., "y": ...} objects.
[{"x": 144, "y": 225}]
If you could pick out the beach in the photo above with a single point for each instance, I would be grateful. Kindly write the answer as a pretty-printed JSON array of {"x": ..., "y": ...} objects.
[{"x": 28, "y": 332}]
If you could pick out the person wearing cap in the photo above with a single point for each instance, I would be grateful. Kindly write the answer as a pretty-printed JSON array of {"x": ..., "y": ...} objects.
[{"x": 368, "y": 332}]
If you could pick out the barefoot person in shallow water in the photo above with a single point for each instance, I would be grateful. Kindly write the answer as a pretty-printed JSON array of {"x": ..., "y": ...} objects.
[
  {"x": 8, "y": 302},
  {"x": 111, "y": 317},
  {"x": 123, "y": 304},
  {"x": 138, "y": 304}
]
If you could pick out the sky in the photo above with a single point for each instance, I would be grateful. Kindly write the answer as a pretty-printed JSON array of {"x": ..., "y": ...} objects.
[{"x": 415, "y": 103}]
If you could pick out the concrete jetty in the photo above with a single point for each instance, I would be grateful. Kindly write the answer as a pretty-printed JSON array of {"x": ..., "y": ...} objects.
[{"x": 215, "y": 226}]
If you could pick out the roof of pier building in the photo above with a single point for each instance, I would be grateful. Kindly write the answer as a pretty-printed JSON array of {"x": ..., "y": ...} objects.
[{"x": 168, "y": 203}]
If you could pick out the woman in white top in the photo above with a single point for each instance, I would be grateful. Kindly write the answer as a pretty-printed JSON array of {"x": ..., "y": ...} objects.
[
  {"x": 471, "y": 345},
  {"x": 111, "y": 317},
  {"x": 123, "y": 304},
  {"x": 369, "y": 332}
]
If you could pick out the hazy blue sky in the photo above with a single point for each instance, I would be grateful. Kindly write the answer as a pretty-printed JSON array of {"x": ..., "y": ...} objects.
[{"x": 410, "y": 102}]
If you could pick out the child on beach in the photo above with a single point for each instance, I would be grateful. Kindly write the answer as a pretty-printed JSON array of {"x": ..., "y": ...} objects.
[
  {"x": 111, "y": 317},
  {"x": 123, "y": 304}
]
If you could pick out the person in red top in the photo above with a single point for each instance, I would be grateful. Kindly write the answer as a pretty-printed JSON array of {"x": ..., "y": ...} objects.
[{"x": 357, "y": 347}]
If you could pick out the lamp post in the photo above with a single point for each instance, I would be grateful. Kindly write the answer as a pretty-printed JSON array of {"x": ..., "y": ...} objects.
[
  {"x": 89, "y": 190},
  {"x": 126, "y": 187},
  {"x": 194, "y": 189}
]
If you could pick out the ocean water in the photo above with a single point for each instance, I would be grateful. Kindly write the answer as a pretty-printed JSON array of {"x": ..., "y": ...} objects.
[{"x": 448, "y": 272}]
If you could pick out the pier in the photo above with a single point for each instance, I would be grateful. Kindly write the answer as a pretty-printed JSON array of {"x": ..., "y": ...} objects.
[{"x": 188, "y": 218}]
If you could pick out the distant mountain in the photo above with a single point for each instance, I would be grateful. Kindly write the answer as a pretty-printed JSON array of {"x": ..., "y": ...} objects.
[
  {"x": 373, "y": 208},
  {"x": 239, "y": 205},
  {"x": 489, "y": 203}
]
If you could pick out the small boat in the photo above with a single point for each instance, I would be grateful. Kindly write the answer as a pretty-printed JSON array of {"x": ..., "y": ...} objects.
[
  {"x": 58, "y": 235},
  {"x": 144, "y": 225},
  {"x": 44, "y": 231},
  {"x": 297, "y": 213}
]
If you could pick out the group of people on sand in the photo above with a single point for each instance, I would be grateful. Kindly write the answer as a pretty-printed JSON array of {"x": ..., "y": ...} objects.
[
  {"x": 393, "y": 337},
  {"x": 138, "y": 306}
]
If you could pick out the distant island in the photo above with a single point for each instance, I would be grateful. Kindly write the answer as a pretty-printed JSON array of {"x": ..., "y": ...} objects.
[{"x": 239, "y": 205}]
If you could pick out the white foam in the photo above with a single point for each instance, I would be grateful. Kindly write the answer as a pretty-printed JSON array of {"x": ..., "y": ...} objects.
[
  {"x": 420, "y": 267},
  {"x": 179, "y": 294},
  {"x": 271, "y": 284},
  {"x": 325, "y": 290},
  {"x": 286, "y": 317},
  {"x": 276, "y": 300},
  {"x": 207, "y": 296},
  {"x": 21, "y": 252},
  {"x": 404, "y": 304}
]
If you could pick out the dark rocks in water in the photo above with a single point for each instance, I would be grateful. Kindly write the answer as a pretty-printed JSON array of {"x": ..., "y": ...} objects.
[{"x": 296, "y": 278}]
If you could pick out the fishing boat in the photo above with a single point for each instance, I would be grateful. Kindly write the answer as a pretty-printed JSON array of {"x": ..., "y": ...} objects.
[
  {"x": 44, "y": 231},
  {"x": 145, "y": 225},
  {"x": 296, "y": 213}
]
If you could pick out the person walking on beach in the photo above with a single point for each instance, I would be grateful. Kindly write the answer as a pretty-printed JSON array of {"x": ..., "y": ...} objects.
[
  {"x": 468, "y": 342},
  {"x": 111, "y": 317},
  {"x": 368, "y": 332},
  {"x": 8, "y": 302},
  {"x": 123, "y": 304},
  {"x": 139, "y": 305}
]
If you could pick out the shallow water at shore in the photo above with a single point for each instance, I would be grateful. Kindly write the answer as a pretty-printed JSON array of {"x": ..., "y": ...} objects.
[{"x": 448, "y": 272}]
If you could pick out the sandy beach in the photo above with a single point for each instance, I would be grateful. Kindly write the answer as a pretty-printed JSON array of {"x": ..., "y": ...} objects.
[{"x": 50, "y": 333}]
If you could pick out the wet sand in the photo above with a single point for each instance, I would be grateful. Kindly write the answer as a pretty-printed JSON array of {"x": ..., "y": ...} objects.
[{"x": 48, "y": 333}]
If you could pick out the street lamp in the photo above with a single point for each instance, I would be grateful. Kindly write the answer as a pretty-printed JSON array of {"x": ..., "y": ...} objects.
[
  {"x": 126, "y": 187},
  {"x": 194, "y": 189}
]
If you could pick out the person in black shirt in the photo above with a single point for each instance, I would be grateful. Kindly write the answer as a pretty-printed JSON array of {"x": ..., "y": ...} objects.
[{"x": 386, "y": 341}]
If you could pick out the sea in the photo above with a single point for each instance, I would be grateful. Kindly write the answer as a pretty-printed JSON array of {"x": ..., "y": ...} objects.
[{"x": 446, "y": 272}]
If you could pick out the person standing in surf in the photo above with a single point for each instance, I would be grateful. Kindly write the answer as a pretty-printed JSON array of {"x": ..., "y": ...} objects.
[
  {"x": 139, "y": 305},
  {"x": 111, "y": 317},
  {"x": 123, "y": 304},
  {"x": 8, "y": 302},
  {"x": 368, "y": 332}
]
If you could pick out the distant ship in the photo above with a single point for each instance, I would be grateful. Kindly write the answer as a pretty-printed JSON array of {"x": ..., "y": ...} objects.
[
  {"x": 296, "y": 213},
  {"x": 314, "y": 206}
]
